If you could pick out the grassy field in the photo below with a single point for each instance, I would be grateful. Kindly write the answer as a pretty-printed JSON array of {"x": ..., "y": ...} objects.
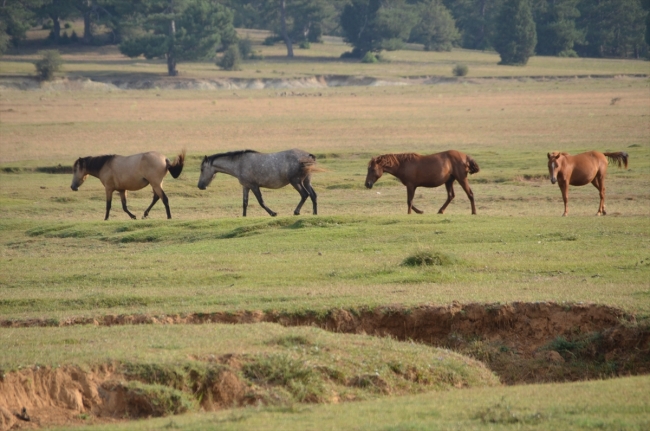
[
  {"x": 321, "y": 59},
  {"x": 59, "y": 259},
  {"x": 620, "y": 404}
]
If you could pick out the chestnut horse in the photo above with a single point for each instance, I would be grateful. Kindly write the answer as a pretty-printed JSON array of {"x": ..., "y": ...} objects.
[
  {"x": 582, "y": 169},
  {"x": 434, "y": 170},
  {"x": 128, "y": 173}
]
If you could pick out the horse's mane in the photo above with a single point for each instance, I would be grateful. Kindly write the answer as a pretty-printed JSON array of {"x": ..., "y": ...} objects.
[
  {"x": 93, "y": 164},
  {"x": 559, "y": 153},
  {"x": 390, "y": 160},
  {"x": 230, "y": 154}
]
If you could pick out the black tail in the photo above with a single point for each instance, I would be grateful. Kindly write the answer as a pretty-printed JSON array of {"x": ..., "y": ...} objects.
[
  {"x": 472, "y": 165},
  {"x": 619, "y": 158},
  {"x": 177, "y": 167}
]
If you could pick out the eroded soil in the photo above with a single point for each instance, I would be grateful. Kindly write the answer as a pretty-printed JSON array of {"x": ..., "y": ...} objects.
[{"x": 520, "y": 342}]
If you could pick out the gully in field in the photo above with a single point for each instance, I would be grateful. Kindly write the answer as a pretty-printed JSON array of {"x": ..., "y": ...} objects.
[
  {"x": 272, "y": 171},
  {"x": 434, "y": 170},
  {"x": 128, "y": 173},
  {"x": 580, "y": 170}
]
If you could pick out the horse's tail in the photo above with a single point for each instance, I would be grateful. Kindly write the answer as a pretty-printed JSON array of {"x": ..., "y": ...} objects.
[
  {"x": 177, "y": 167},
  {"x": 472, "y": 165},
  {"x": 308, "y": 166},
  {"x": 619, "y": 158}
]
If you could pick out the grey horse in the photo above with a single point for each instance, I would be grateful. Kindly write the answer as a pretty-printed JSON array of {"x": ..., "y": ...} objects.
[{"x": 272, "y": 171}]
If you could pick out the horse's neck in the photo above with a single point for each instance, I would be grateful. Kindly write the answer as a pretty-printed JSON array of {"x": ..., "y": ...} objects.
[
  {"x": 393, "y": 170},
  {"x": 227, "y": 166}
]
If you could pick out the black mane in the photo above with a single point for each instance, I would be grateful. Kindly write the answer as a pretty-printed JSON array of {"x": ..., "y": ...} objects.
[
  {"x": 93, "y": 164},
  {"x": 230, "y": 154}
]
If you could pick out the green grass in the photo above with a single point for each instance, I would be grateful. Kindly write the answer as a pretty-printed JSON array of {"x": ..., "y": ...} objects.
[
  {"x": 317, "y": 263},
  {"x": 58, "y": 259},
  {"x": 174, "y": 366},
  {"x": 620, "y": 404}
]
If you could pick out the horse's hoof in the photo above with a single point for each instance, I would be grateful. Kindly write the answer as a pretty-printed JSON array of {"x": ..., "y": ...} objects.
[
  {"x": 274, "y": 214},
  {"x": 296, "y": 213}
]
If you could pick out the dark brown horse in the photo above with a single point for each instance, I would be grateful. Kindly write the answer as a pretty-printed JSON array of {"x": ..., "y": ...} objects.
[
  {"x": 128, "y": 173},
  {"x": 580, "y": 170},
  {"x": 434, "y": 170}
]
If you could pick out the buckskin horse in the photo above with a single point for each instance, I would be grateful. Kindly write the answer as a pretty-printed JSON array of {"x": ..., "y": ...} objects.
[
  {"x": 434, "y": 170},
  {"x": 128, "y": 173},
  {"x": 272, "y": 171},
  {"x": 582, "y": 169}
]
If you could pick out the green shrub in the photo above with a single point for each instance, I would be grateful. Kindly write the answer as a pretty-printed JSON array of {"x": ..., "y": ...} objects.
[
  {"x": 369, "y": 58},
  {"x": 271, "y": 40},
  {"x": 427, "y": 258},
  {"x": 155, "y": 400},
  {"x": 305, "y": 45},
  {"x": 245, "y": 47},
  {"x": 64, "y": 39},
  {"x": 300, "y": 380},
  {"x": 568, "y": 53},
  {"x": 460, "y": 70},
  {"x": 49, "y": 64},
  {"x": 231, "y": 59},
  {"x": 394, "y": 44}
]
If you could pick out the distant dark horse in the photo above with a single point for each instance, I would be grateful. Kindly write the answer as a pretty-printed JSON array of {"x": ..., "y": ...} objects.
[
  {"x": 414, "y": 171},
  {"x": 580, "y": 170},
  {"x": 128, "y": 173},
  {"x": 273, "y": 171}
]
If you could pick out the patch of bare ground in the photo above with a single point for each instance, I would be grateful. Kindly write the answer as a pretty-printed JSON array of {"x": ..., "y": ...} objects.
[
  {"x": 318, "y": 81},
  {"x": 520, "y": 342},
  {"x": 46, "y": 396}
]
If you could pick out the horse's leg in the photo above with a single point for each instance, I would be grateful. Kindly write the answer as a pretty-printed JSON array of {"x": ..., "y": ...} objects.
[
  {"x": 470, "y": 194},
  {"x": 155, "y": 199},
  {"x": 410, "y": 193},
  {"x": 245, "y": 200},
  {"x": 599, "y": 183},
  {"x": 304, "y": 194},
  {"x": 123, "y": 198},
  {"x": 564, "y": 188},
  {"x": 161, "y": 194},
  {"x": 258, "y": 195},
  {"x": 312, "y": 194},
  {"x": 109, "y": 198},
  {"x": 449, "y": 185}
]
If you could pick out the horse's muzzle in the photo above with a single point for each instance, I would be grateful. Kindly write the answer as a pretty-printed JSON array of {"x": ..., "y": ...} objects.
[
  {"x": 201, "y": 187},
  {"x": 369, "y": 185},
  {"x": 553, "y": 180},
  {"x": 74, "y": 189}
]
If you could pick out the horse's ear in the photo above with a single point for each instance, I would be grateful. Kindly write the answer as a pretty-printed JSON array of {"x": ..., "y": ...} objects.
[{"x": 548, "y": 155}]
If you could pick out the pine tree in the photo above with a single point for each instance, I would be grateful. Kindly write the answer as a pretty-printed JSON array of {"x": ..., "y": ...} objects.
[
  {"x": 516, "y": 36},
  {"x": 556, "y": 26},
  {"x": 436, "y": 28},
  {"x": 180, "y": 31}
]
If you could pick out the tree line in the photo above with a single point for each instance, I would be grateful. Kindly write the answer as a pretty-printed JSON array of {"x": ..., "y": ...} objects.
[{"x": 180, "y": 30}]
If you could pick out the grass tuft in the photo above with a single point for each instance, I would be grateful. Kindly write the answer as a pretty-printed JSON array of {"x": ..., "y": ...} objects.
[
  {"x": 302, "y": 382},
  {"x": 429, "y": 258}
]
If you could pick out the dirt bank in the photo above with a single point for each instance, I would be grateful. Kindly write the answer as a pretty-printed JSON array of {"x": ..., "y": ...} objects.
[
  {"x": 524, "y": 326},
  {"x": 310, "y": 82},
  {"x": 520, "y": 342}
]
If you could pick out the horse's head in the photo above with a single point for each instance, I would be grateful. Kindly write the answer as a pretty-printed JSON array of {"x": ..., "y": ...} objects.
[
  {"x": 207, "y": 173},
  {"x": 553, "y": 165},
  {"x": 375, "y": 171},
  {"x": 79, "y": 173}
]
